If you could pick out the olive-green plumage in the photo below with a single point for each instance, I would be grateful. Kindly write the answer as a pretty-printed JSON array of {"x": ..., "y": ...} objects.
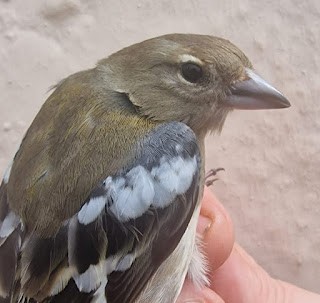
[
  {"x": 78, "y": 138},
  {"x": 85, "y": 161},
  {"x": 86, "y": 128}
]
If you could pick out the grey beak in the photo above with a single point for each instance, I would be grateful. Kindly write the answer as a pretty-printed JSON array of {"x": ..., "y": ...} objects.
[{"x": 255, "y": 93}]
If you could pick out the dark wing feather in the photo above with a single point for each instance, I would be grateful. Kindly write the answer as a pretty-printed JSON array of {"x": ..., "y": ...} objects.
[
  {"x": 70, "y": 294},
  {"x": 10, "y": 240},
  {"x": 127, "y": 227},
  {"x": 173, "y": 221},
  {"x": 153, "y": 227},
  {"x": 161, "y": 226}
]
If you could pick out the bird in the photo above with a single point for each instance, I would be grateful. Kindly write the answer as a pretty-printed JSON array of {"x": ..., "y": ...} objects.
[{"x": 100, "y": 202}]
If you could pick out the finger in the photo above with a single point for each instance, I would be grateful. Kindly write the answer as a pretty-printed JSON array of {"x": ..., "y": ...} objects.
[
  {"x": 192, "y": 294},
  {"x": 248, "y": 279},
  {"x": 216, "y": 229},
  {"x": 296, "y": 294},
  {"x": 241, "y": 280}
]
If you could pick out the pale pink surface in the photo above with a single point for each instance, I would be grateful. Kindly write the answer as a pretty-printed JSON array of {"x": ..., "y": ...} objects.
[{"x": 272, "y": 158}]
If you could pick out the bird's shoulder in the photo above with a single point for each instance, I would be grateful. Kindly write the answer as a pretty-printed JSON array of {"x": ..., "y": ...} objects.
[
  {"x": 127, "y": 225},
  {"x": 81, "y": 134}
]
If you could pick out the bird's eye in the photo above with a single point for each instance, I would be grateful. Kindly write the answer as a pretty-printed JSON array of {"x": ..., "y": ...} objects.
[{"x": 191, "y": 72}]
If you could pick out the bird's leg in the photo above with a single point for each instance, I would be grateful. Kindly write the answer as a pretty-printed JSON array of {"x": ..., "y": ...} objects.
[{"x": 211, "y": 173}]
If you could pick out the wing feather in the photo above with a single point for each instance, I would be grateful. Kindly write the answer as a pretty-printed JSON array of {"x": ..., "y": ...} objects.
[{"x": 129, "y": 224}]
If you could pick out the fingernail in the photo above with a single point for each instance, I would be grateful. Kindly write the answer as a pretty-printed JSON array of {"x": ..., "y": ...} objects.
[{"x": 204, "y": 224}]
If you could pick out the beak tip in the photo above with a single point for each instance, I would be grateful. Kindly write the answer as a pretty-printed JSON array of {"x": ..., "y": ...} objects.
[
  {"x": 256, "y": 93},
  {"x": 284, "y": 103}
]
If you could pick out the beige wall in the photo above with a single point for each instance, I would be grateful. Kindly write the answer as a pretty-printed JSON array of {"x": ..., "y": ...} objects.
[{"x": 272, "y": 158}]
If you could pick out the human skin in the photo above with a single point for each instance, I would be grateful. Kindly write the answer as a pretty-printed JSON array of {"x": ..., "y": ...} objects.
[{"x": 235, "y": 276}]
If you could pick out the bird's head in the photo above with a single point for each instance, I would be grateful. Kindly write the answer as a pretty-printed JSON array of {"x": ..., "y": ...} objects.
[{"x": 195, "y": 79}]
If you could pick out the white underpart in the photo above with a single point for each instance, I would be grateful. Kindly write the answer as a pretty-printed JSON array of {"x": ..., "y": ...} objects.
[
  {"x": 170, "y": 276},
  {"x": 91, "y": 278},
  {"x": 7, "y": 173},
  {"x": 189, "y": 252},
  {"x": 135, "y": 192},
  {"x": 91, "y": 210},
  {"x": 130, "y": 195},
  {"x": 258, "y": 79},
  {"x": 198, "y": 268},
  {"x": 9, "y": 224}
]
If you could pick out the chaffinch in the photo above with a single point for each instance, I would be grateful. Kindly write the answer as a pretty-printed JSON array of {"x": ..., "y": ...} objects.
[{"x": 101, "y": 201}]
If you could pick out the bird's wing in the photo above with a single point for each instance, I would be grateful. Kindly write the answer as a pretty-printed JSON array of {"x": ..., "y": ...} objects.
[
  {"x": 129, "y": 224},
  {"x": 10, "y": 239}
]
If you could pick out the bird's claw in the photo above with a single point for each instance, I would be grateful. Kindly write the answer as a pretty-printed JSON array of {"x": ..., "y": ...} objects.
[{"x": 211, "y": 173}]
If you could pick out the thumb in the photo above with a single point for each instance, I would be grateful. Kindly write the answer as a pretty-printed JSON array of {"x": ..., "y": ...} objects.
[{"x": 241, "y": 280}]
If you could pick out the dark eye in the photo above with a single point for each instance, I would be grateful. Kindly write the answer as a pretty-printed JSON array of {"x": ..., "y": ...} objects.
[{"x": 191, "y": 72}]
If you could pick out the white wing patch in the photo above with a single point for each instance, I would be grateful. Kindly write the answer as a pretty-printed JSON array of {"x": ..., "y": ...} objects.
[
  {"x": 91, "y": 210},
  {"x": 139, "y": 189},
  {"x": 174, "y": 177},
  {"x": 91, "y": 278},
  {"x": 133, "y": 193},
  {"x": 7, "y": 173},
  {"x": 9, "y": 224},
  {"x": 125, "y": 262},
  {"x": 99, "y": 296}
]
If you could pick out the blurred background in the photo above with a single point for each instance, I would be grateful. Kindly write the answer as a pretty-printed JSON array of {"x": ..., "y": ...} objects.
[{"x": 271, "y": 158}]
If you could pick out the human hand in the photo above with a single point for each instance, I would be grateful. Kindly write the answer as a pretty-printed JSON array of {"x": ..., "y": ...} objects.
[{"x": 235, "y": 276}]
